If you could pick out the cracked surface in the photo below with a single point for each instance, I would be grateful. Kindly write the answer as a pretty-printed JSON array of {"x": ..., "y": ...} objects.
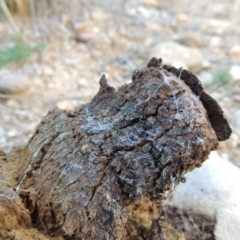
[{"x": 91, "y": 168}]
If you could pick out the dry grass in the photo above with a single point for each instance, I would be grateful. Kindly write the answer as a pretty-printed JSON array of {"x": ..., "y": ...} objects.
[{"x": 18, "y": 6}]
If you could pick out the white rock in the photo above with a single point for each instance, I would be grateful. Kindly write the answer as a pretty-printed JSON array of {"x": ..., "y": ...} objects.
[
  {"x": 178, "y": 55},
  {"x": 208, "y": 189},
  {"x": 235, "y": 72},
  {"x": 13, "y": 82},
  {"x": 71, "y": 61},
  {"x": 12, "y": 133},
  {"x": 233, "y": 141},
  {"x": 227, "y": 226},
  {"x": 48, "y": 71},
  {"x": 82, "y": 82}
]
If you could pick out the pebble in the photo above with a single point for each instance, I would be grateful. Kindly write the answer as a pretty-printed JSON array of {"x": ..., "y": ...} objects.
[
  {"x": 235, "y": 51},
  {"x": 82, "y": 82},
  {"x": 235, "y": 72},
  {"x": 178, "y": 55},
  {"x": 48, "y": 71},
  {"x": 151, "y": 3},
  {"x": 188, "y": 40},
  {"x": 84, "y": 31},
  {"x": 71, "y": 61},
  {"x": 236, "y": 98},
  {"x": 12, "y": 82},
  {"x": 12, "y": 103},
  {"x": 233, "y": 141},
  {"x": 65, "y": 105},
  {"x": 12, "y": 133},
  {"x": 183, "y": 18}
]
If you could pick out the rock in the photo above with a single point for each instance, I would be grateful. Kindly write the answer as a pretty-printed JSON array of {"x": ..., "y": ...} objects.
[
  {"x": 147, "y": 13},
  {"x": 227, "y": 225},
  {"x": 82, "y": 82},
  {"x": 65, "y": 105},
  {"x": 216, "y": 41},
  {"x": 189, "y": 40},
  {"x": 217, "y": 10},
  {"x": 11, "y": 83},
  {"x": 210, "y": 188},
  {"x": 233, "y": 141},
  {"x": 236, "y": 98},
  {"x": 178, "y": 55},
  {"x": 12, "y": 133},
  {"x": 48, "y": 71},
  {"x": 235, "y": 51},
  {"x": 151, "y": 3},
  {"x": 183, "y": 18},
  {"x": 71, "y": 61},
  {"x": 235, "y": 72},
  {"x": 84, "y": 31},
  {"x": 206, "y": 64}
]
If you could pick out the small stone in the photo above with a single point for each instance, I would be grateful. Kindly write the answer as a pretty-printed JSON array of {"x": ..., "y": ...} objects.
[
  {"x": 233, "y": 141},
  {"x": 178, "y": 55},
  {"x": 235, "y": 72},
  {"x": 71, "y": 61},
  {"x": 12, "y": 103},
  {"x": 84, "y": 31},
  {"x": 216, "y": 41},
  {"x": 65, "y": 105},
  {"x": 11, "y": 83},
  {"x": 48, "y": 71},
  {"x": 12, "y": 133},
  {"x": 235, "y": 51},
  {"x": 236, "y": 98},
  {"x": 188, "y": 40},
  {"x": 183, "y": 18},
  {"x": 218, "y": 9},
  {"x": 151, "y": 3},
  {"x": 206, "y": 64},
  {"x": 82, "y": 82}
]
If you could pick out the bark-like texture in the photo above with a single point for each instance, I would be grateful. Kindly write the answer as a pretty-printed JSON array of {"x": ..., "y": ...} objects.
[{"x": 101, "y": 171}]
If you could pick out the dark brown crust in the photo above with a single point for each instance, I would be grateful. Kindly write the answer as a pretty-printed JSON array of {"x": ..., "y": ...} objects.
[{"x": 215, "y": 113}]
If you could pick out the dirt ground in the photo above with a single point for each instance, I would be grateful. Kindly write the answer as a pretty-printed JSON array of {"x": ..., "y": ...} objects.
[{"x": 85, "y": 39}]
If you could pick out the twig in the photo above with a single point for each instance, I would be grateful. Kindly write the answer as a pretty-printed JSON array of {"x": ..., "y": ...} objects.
[
  {"x": 9, "y": 15},
  {"x": 33, "y": 16}
]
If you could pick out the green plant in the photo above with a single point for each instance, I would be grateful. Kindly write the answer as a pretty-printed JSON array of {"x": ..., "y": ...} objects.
[
  {"x": 221, "y": 77},
  {"x": 19, "y": 52}
]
